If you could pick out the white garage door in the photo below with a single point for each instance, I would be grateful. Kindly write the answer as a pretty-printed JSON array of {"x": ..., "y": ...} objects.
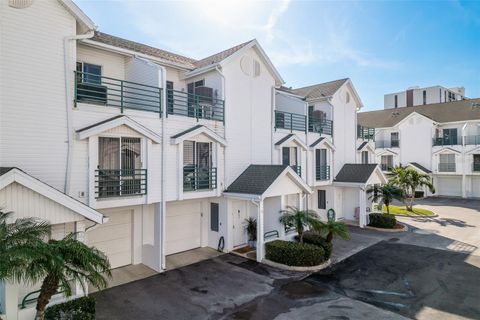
[
  {"x": 114, "y": 238},
  {"x": 183, "y": 226},
  {"x": 449, "y": 186},
  {"x": 476, "y": 187}
]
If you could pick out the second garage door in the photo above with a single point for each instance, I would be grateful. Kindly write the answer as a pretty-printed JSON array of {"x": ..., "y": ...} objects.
[
  {"x": 476, "y": 187},
  {"x": 114, "y": 238},
  {"x": 449, "y": 186},
  {"x": 183, "y": 226}
]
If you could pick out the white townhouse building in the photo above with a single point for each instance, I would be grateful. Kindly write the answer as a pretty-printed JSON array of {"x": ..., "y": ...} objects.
[
  {"x": 147, "y": 153},
  {"x": 416, "y": 96},
  {"x": 442, "y": 140}
]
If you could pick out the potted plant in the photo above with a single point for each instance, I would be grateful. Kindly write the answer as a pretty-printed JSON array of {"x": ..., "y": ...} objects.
[{"x": 252, "y": 231}]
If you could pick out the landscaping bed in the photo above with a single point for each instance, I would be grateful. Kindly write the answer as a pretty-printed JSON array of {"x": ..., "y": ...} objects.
[
  {"x": 402, "y": 211},
  {"x": 385, "y": 222},
  {"x": 79, "y": 309}
]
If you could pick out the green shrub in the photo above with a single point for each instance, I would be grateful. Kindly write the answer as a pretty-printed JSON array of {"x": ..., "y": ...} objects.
[
  {"x": 382, "y": 220},
  {"x": 318, "y": 240},
  {"x": 78, "y": 309},
  {"x": 294, "y": 253}
]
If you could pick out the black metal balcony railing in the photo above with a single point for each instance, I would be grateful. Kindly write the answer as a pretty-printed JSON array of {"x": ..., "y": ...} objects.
[
  {"x": 365, "y": 133},
  {"x": 472, "y": 140},
  {"x": 387, "y": 143},
  {"x": 386, "y": 167},
  {"x": 446, "y": 167},
  {"x": 322, "y": 173},
  {"x": 322, "y": 126},
  {"x": 451, "y": 141},
  {"x": 476, "y": 167},
  {"x": 290, "y": 121},
  {"x": 198, "y": 178},
  {"x": 120, "y": 182},
  {"x": 297, "y": 169},
  {"x": 92, "y": 88},
  {"x": 194, "y": 105}
]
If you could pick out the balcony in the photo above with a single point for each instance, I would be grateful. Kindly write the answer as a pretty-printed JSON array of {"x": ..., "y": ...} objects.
[
  {"x": 297, "y": 169},
  {"x": 447, "y": 141},
  {"x": 99, "y": 90},
  {"x": 198, "y": 178},
  {"x": 322, "y": 173},
  {"x": 290, "y": 121},
  {"x": 446, "y": 167},
  {"x": 365, "y": 133},
  {"x": 386, "y": 167},
  {"x": 472, "y": 140},
  {"x": 387, "y": 144},
  {"x": 120, "y": 183},
  {"x": 476, "y": 167},
  {"x": 322, "y": 126},
  {"x": 195, "y": 106}
]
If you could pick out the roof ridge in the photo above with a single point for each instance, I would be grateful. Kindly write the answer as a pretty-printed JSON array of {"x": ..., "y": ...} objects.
[{"x": 318, "y": 84}]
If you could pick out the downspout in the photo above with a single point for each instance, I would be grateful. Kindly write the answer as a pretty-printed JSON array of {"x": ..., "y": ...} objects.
[
  {"x": 164, "y": 159},
  {"x": 224, "y": 127},
  {"x": 272, "y": 125},
  {"x": 68, "y": 104},
  {"x": 464, "y": 164}
]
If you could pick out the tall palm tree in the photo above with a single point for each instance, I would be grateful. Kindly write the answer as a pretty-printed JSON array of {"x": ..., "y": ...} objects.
[
  {"x": 18, "y": 242},
  {"x": 63, "y": 262},
  {"x": 333, "y": 228},
  {"x": 300, "y": 219},
  {"x": 387, "y": 193},
  {"x": 409, "y": 180}
]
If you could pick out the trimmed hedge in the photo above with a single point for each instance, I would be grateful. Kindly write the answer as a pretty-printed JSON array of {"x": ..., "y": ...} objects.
[
  {"x": 382, "y": 220},
  {"x": 294, "y": 254},
  {"x": 79, "y": 309},
  {"x": 317, "y": 239}
]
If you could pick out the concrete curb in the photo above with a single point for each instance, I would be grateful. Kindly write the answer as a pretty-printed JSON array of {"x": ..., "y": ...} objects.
[
  {"x": 300, "y": 269},
  {"x": 405, "y": 228}
]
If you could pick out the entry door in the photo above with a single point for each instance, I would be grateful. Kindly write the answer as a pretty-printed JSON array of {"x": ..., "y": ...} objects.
[{"x": 239, "y": 214}]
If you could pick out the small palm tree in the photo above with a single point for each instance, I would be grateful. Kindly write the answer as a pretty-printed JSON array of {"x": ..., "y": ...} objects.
[
  {"x": 62, "y": 262},
  {"x": 300, "y": 219},
  {"x": 387, "y": 193},
  {"x": 18, "y": 242},
  {"x": 333, "y": 228},
  {"x": 410, "y": 180}
]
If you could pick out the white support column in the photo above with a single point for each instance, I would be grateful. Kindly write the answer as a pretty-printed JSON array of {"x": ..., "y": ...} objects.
[
  {"x": 79, "y": 229},
  {"x": 362, "y": 204},
  {"x": 260, "y": 233},
  {"x": 158, "y": 252}
]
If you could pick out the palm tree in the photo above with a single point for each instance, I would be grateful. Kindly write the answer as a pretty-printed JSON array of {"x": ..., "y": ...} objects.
[
  {"x": 300, "y": 219},
  {"x": 63, "y": 262},
  {"x": 387, "y": 193},
  {"x": 333, "y": 228},
  {"x": 410, "y": 180},
  {"x": 18, "y": 242}
]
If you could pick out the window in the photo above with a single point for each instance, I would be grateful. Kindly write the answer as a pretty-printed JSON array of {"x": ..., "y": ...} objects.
[
  {"x": 396, "y": 101},
  {"x": 197, "y": 166},
  {"x": 476, "y": 162},
  {"x": 424, "y": 96},
  {"x": 394, "y": 139},
  {"x": 320, "y": 157},
  {"x": 447, "y": 163},
  {"x": 322, "y": 201},
  {"x": 90, "y": 73},
  {"x": 170, "y": 97},
  {"x": 365, "y": 157},
  {"x": 440, "y": 95},
  {"x": 450, "y": 136},
  {"x": 444, "y": 96},
  {"x": 387, "y": 162},
  {"x": 289, "y": 156},
  {"x": 214, "y": 219},
  {"x": 322, "y": 170},
  {"x": 191, "y": 95}
]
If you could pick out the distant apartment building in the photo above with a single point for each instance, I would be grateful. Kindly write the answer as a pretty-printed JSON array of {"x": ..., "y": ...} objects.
[{"x": 416, "y": 96}]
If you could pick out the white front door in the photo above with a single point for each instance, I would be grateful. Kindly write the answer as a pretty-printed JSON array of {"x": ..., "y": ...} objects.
[{"x": 239, "y": 214}]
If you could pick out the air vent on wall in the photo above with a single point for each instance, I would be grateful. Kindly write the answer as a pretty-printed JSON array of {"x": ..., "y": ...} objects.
[{"x": 20, "y": 4}]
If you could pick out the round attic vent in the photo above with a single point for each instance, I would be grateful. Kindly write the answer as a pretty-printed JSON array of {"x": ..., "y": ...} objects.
[{"x": 20, "y": 4}]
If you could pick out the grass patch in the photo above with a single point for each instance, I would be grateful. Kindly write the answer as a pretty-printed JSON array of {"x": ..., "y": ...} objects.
[{"x": 403, "y": 211}]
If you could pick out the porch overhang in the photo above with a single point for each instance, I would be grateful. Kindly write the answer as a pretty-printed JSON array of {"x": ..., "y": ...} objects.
[{"x": 194, "y": 131}]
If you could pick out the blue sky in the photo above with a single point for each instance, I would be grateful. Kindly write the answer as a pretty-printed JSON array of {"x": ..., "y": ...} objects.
[{"x": 382, "y": 46}]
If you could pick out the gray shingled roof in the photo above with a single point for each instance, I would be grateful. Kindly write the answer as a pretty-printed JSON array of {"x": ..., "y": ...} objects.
[
  {"x": 288, "y": 136},
  {"x": 4, "y": 170},
  {"x": 362, "y": 145},
  {"x": 256, "y": 179},
  {"x": 321, "y": 90},
  {"x": 355, "y": 172},
  {"x": 317, "y": 142},
  {"x": 440, "y": 112},
  {"x": 100, "y": 123},
  {"x": 186, "y": 62},
  {"x": 186, "y": 131},
  {"x": 419, "y": 166},
  {"x": 143, "y": 48},
  {"x": 215, "y": 58}
]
